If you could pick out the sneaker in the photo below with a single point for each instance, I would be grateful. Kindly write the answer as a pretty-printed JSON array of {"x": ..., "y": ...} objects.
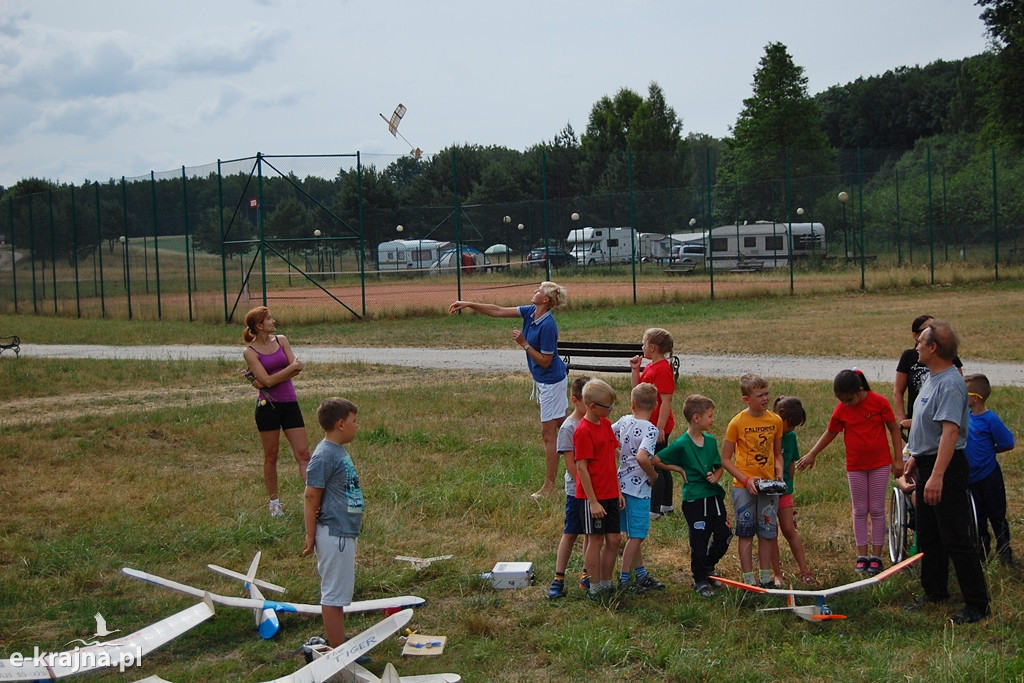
[
  {"x": 585, "y": 582},
  {"x": 655, "y": 515},
  {"x": 713, "y": 580},
  {"x": 598, "y": 594},
  {"x": 968, "y": 615},
  {"x": 276, "y": 508},
  {"x": 667, "y": 509},
  {"x": 874, "y": 566},
  {"x": 556, "y": 589},
  {"x": 649, "y": 583},
  {"x": 704, "y": 590},
  {"x": 862, "y": 565},
  {"x": 809, "y": 580}
]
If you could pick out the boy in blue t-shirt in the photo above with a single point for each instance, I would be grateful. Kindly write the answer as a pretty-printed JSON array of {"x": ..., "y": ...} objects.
[
  {"x": 333, "y": 513},
  {"x": 986, "y": 436}
]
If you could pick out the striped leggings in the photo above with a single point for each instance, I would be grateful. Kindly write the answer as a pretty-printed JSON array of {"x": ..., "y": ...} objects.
[{"x": 867, "y": 492}]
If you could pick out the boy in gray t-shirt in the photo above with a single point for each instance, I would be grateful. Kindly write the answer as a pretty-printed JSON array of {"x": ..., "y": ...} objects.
[{"x": 333, "y": 513}]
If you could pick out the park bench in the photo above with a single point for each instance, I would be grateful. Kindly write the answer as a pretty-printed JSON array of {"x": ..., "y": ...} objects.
[
  {"x": 573, "y": 351},
  {"x": 748, "y": 266},
  {"x": 11, "y": 343},
  {"x": 681, "y": 268}
]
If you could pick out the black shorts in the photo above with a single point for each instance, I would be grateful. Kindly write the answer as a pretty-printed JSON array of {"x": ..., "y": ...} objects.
[
  {"x": 609, "y": 524},
  {"x": 274, "y": 416}
]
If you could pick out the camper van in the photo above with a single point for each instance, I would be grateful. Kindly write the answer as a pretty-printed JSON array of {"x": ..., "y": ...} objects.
[
  {"x": 595, "y": 246},
  {"x": 408, "y": 254},
  {"x": 765, "y": 242}
]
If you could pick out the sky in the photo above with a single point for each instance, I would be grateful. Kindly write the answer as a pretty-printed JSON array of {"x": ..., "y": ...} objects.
[{"x": 112, "y": 88}]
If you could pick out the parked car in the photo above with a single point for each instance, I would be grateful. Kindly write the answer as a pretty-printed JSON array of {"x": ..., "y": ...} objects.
[
  {"x": 558, "y": 258},
  {"x": 687, "y": 253}
]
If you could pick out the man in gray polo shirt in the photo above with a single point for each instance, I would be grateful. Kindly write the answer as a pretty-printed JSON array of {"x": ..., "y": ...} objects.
[{"x": 938, "y": 434}]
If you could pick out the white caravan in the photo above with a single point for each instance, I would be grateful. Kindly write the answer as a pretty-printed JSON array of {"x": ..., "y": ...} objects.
[
  {"x": 408, "y": 254},
  {"x": 765, "y": 242},
  {"x": 596, "y": 246}
]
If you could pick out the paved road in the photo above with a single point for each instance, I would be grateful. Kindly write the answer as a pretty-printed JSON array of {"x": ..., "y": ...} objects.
[{"x": 791, "y": 367}]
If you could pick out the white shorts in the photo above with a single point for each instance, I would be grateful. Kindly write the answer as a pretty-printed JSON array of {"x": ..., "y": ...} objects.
[
  {"x": 553, "y": 399},
  {"x": 336, "y": 564}
]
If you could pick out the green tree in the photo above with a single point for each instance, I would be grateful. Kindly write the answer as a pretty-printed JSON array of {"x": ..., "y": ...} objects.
[
  {"x": 1004, "y": 22},
  {"x": 646, "y": 127},
  {"x": 237, "y": 227},
  {"x": 778, "y": 130}
]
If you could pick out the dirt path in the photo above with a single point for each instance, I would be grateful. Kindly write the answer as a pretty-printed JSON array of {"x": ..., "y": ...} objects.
[{"x": 484, "y": 360}]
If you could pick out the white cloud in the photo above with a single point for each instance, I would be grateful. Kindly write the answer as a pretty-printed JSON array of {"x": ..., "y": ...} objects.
[{"x": 220, "y": 52}]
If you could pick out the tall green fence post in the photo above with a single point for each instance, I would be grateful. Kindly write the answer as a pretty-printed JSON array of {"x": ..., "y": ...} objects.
[
  {"x": 99, "y": 251},
  {"x": 53, "y": 253},
  {"x": 14, "y": 261},
  {"x": 899, "y": 231},
  {"x": 995, "y": 211},
  {"x": 362, "y": 230},
  {"x": 188, "y": 260},
  {"x": 156, "y": 245},
  {"x": 707, "y": 220},
  {"x": 32, "y": 253},
  {"x": 931, "y": 222},
  {"x": 74, "y": 253},
  {"x": 860, "y": 210},
  {"x": 632, "y": 220},
  {"x": 124, "y": 245},
  {"x": 223, "y": 249}
]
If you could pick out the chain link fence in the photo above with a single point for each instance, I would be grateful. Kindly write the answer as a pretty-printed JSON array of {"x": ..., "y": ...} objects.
[{"x": 351, "y": 236}]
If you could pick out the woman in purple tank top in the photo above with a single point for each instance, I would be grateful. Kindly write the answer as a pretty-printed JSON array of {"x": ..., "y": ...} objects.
[{"x": 270, "y": 358}]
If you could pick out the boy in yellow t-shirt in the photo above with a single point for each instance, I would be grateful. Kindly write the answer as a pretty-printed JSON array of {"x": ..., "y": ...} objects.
[{"x": 752, "y": 451}]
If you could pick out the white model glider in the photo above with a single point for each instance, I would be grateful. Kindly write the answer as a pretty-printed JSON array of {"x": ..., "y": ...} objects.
[
  {"x": 820, "y": 611},
  {"x": 341, "y": 660},
  {"x": 122, "y": 653},
  {"x": 265, "y": 611}
]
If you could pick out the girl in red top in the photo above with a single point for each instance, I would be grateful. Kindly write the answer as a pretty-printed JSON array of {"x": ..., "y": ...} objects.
[
  {"x": 657, "y": 345},
  {"x": 863, "y": 417}
]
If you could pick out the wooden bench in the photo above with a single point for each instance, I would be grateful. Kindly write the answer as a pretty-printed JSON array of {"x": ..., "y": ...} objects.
[
  {"x": 11, "y": 343},
  {"x": 572, "y": 351},
  {"x": 748, "y": 266},
  {"x": 681, "y": 268}
]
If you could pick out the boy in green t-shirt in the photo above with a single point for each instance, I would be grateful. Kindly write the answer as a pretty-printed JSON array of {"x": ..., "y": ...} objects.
[{"x": 695, "y": 456}]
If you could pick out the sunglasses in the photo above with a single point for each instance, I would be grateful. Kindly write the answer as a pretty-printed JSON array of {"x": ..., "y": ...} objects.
[{"x": 606, "y": 407}]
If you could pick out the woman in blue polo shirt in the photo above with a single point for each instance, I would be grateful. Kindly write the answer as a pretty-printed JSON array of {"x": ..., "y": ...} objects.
[{"x": 539, "y": 338}]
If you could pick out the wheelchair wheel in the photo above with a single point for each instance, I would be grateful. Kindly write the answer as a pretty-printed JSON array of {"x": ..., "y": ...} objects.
[
  {"x": 972, "y": 529},
  {"x": 899, "y": 521}
]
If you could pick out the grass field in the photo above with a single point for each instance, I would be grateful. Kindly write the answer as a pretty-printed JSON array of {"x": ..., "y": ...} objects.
[{"x": 156, "y": 465}]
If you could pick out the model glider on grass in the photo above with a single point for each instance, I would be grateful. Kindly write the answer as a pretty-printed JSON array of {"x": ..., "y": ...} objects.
[
  {"x": 328, "y": 663},
  {"x": 265, "y": 611},
  {"x": 820, "y": 611},
  {"x": 122, "y": 653}
]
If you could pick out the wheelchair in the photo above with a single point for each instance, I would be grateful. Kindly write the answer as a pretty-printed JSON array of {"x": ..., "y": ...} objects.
[{"x": 901, "y": 524}]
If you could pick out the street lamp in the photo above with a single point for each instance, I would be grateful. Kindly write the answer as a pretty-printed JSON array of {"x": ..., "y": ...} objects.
[
  {"x": 522, "y": 246},
  {"x": 575, "y": 220},
  {"x": 508, "y": 247},
  {"x": 843, "y": 198}
]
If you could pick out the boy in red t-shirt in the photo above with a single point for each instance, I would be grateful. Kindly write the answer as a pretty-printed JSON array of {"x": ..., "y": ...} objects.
[{"x": 597, "y": 486}]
